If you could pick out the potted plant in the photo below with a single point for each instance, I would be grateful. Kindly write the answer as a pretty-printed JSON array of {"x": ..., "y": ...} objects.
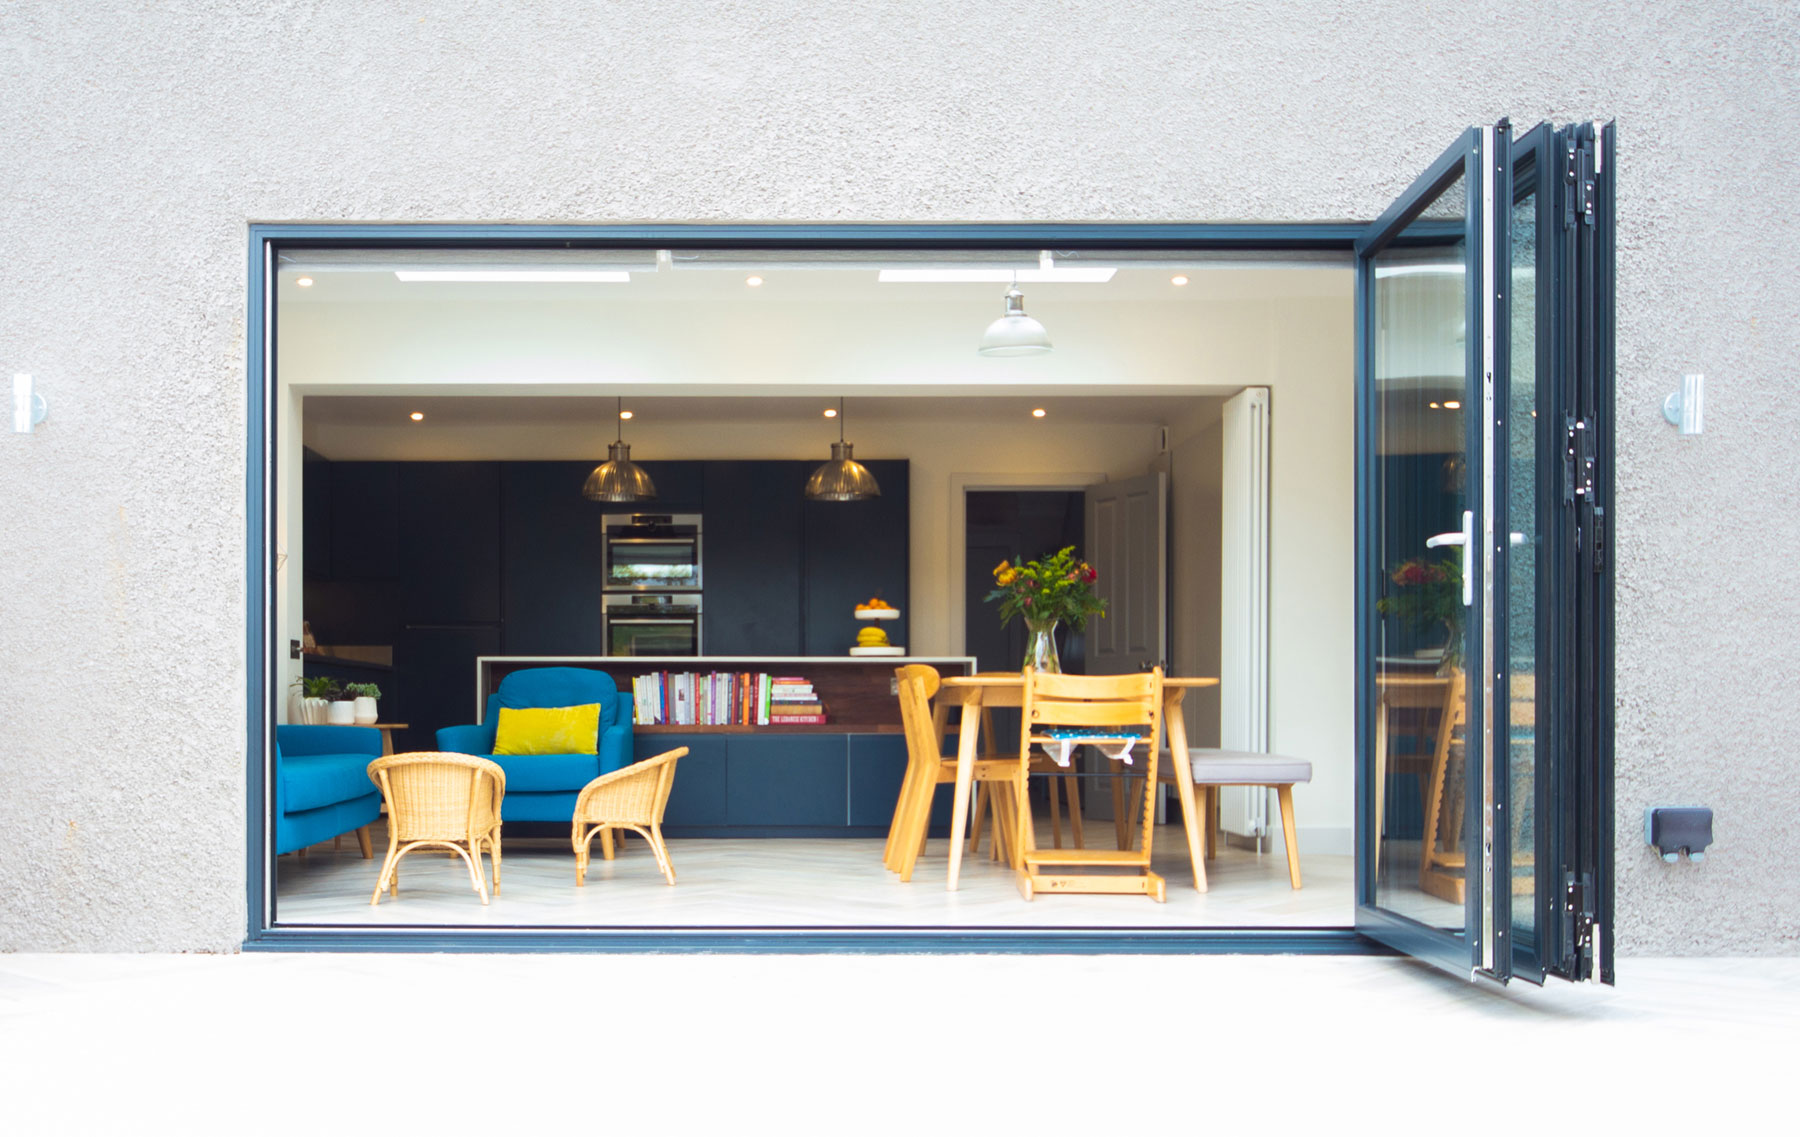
[
  {"x": 1045, "y": 592},
  {"x": 316, "y": 694},
  {"x": 364, "y": 695}
]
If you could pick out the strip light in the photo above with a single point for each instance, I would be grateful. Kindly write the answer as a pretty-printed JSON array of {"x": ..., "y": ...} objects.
[
  {"x": 526, "y": 276},
  {"x": 996, "y": 275}
]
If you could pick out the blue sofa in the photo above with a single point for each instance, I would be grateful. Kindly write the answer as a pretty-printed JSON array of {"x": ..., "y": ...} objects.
[
  {"x": 543, "y": 787},
  {"x": 322, "y": 786}
]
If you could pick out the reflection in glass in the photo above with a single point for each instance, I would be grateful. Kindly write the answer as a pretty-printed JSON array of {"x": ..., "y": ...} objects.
[
  {"x": 1525, "y": 525},
  {"x": 1422, "y": 484}
]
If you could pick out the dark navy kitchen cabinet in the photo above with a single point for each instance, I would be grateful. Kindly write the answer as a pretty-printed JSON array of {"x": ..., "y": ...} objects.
[
  {"x": 551, "y": 550},
  {"x": 853, "y": 551},
  {"x": 750, "y": 543},
  {"x": 698, "y": 796},
  {"x": 450, "y": 541}
]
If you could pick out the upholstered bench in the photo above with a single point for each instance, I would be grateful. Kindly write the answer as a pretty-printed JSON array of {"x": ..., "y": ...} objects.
[{"x": 1214, "y": 768}]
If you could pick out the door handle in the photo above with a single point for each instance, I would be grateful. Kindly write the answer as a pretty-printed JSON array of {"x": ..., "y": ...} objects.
[{"x": 1464, "y": 539}]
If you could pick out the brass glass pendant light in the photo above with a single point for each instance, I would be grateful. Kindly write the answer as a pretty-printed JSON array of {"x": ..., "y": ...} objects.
[
  {"x": 843, "y": 478},
  {"x": 619, "y": 478}
]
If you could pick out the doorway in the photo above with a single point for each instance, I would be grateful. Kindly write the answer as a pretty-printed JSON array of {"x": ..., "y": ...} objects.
[{"x": 1005, "y": 525}]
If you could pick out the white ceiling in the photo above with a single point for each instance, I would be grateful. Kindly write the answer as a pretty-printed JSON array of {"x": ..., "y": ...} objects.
[{"x": 596, "y": 414}]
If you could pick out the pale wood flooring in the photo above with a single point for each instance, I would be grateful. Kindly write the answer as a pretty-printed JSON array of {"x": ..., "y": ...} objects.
[{"x": 827, "y": 882}]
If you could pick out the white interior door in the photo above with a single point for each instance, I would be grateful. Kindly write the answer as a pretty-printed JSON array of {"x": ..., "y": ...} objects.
[{"x": 1127, "y": 543}]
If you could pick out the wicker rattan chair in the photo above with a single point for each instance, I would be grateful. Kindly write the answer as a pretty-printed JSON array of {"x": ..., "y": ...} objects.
[
  {"x": 633, "y": 798},
  {"x": 446, "y": 801}
]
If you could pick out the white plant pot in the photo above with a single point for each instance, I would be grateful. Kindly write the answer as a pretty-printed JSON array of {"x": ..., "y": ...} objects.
[
  {"x": 312, "y": 711},
  {"x": 341, "y": 712},
  {"x": 365, "y": 710}
]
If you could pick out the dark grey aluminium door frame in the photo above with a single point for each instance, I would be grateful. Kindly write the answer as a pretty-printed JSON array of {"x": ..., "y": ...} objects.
[{"x": 263, "y": 932}]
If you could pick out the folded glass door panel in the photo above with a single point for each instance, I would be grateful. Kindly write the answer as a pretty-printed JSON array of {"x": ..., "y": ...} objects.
[{"x": 1427, "y": 315}]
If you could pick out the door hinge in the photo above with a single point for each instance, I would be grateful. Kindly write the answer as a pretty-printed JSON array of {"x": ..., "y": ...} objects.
[
  {"x": 1578, "y": 910},
  {"x": 1578, "y": 177}
]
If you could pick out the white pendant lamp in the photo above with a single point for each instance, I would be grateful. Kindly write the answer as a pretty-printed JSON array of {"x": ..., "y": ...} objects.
[
  {"x": 618, "y": 478},
  {"x": 1014, "y": 333}
]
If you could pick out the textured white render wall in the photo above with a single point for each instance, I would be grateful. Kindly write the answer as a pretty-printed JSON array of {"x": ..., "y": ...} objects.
[{"x": 137, "y": 141}]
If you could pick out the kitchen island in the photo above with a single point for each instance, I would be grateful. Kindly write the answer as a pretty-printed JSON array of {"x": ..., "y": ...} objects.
[{"x": 839, "y": 778}]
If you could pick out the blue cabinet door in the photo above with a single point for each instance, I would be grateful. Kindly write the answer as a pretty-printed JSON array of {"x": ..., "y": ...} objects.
[
  {"x": 787, "y": 779},
  {"x": 877, "y": 765},
  {"x": 449, "y": 542},
  {"x": 851, "y": 551},
  {"x": 551, "y": 544},
  {"x": 698, "y": 795}
]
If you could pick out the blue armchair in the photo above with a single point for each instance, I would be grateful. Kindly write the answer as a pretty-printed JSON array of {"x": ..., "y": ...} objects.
[
  {"x": 322, "y": 786},
  {"x": 543, "y": 787}
]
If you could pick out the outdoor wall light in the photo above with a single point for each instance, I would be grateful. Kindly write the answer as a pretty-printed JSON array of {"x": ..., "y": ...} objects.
[
  {"x": 1685, "y": 405},
  {"x": 1675, "y": 830},
  {"x": 29, "y": 407}
]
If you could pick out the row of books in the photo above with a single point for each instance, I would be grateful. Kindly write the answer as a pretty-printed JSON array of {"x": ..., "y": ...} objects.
[{"x": 723, "y": 698}]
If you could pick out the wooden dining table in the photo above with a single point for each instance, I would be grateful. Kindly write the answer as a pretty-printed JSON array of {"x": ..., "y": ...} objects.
[{"x": 1007, "y": 689}]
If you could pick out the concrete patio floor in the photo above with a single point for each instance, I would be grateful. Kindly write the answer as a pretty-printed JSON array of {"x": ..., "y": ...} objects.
[{"x": 334, "y": 1044}]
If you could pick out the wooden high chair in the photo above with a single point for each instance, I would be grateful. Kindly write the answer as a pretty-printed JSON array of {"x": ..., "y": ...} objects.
[{"x": 1097, "y": 709}]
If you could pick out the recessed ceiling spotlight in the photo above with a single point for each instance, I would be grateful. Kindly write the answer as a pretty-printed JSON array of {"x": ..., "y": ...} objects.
[
  {"x": 417, "y": 416},
  {"x": 830, "y": 412},
  {"x": 624, "y": 414},
  {"x": 753, "y": 281},
  {"x": 304, "y": 282},
  {"x": 1452, "y": 405},
  {"x": 1178, "y": 281},
  {"x": 1037, "y": 412},
  {"x": 1434, "y": 406}
]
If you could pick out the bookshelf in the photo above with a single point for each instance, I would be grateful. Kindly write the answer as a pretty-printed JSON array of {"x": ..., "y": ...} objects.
[{"x": 858, "y": 694}]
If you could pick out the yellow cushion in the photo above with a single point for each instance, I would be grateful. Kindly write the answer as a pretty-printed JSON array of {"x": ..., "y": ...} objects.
[{"x": 548, "y": 730}]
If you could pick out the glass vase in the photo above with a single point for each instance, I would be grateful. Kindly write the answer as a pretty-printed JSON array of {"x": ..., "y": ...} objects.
[{"x": 1040, "y": 645}]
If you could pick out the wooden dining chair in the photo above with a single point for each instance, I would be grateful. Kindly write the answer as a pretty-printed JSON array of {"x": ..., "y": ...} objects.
[
  {"x": 446, "y": 801},
  {"x": 927, "y": 768},
  {"x": 1091, "y": 710}
]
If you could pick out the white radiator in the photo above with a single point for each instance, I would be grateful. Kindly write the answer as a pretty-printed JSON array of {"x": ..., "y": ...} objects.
[{"x": 1244, "y": 603}]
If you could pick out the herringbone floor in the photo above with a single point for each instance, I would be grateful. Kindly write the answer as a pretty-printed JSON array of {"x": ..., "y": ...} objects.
[{"x": 830, "y": 882}]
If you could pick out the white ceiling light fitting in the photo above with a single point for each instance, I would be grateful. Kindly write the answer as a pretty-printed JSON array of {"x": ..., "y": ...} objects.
[
  {"x": 1014, "y": 333},
  {"x": 511, "y": 276},
  {"x": 995, "y": 276}
]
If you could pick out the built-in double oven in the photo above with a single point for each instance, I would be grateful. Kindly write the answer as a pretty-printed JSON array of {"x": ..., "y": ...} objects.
[{"x": 651, "y": 604}]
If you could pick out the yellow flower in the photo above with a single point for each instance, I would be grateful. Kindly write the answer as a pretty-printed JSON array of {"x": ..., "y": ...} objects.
[
  {"x": 1003, "y": 566},
  {"x": 1007, "y": 577}
]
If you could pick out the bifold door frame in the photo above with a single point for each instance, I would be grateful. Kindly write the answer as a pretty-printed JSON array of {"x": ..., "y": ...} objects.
[{"x": 268, "y": 240}]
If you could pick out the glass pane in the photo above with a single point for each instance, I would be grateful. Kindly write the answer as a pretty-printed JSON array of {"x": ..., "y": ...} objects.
[
  {"x": 1525, "y": 525},
  {"x": 1422, "y": 487}
]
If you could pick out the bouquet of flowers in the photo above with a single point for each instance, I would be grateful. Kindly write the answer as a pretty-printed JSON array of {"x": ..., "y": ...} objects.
[
  {"x": 1427, "y": 594},
  {"x": 1054, "y": 588}
]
